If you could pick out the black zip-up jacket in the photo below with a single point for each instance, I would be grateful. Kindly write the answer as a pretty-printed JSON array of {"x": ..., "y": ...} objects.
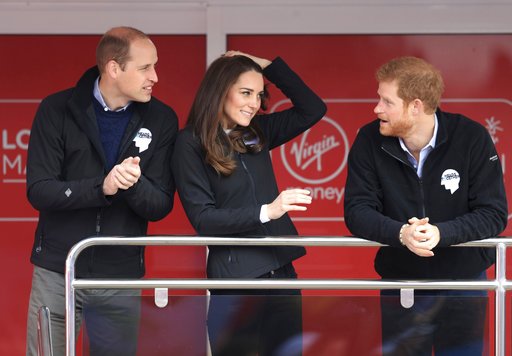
[
  {"x": 219, "y": 205},
  {"x": 65, "y": 172},
  {"x": 383, "y": 191}
]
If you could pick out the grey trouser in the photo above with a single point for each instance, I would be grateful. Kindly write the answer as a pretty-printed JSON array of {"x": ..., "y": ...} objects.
[{"x": 111, "y": 316}]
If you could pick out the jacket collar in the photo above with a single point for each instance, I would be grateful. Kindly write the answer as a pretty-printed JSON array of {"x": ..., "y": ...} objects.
[
  {"x": 392, "y": 145},
  {"x": 81, "y": 106},
  {"x": 82, "y": 95},
  {"x": 442, "y": 131}
]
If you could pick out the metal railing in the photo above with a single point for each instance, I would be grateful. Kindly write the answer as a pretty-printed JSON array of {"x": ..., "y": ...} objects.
[
  {"x": 499, "y": 284},
  {"x": 44, "y": 332}
]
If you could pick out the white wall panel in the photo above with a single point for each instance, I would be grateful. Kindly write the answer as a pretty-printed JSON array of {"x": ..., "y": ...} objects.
[
  {"x": 74, "y": 17},
  {"x": 218, "y": 18}
]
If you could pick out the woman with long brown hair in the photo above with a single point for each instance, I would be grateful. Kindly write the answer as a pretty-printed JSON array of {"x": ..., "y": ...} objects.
[{"x": 226, "y": 183}]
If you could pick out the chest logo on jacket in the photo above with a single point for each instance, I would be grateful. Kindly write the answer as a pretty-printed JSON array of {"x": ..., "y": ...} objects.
[
  {"x": 450, "y": 180},
  {"x": 143, "y": 139}
]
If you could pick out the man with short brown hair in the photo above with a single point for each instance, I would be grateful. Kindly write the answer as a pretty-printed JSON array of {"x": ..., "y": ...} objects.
[
  {"x": 421, "y": 180},
  {"x": 99, "y": 165}
]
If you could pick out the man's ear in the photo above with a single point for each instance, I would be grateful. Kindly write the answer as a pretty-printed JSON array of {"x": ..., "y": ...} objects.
[
  {"x": 112, "y": 69},
  {"x": 417, "y": 106}
]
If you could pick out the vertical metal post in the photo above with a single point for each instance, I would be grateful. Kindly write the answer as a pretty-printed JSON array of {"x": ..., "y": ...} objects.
[
  {"x": 70, "y": 303},
  {"x": 44, "y": 332},
  {"x": 501, "y": 277}
]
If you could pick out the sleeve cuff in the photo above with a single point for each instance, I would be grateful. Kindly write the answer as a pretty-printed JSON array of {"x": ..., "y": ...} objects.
[{"x": 263, "y": 214}]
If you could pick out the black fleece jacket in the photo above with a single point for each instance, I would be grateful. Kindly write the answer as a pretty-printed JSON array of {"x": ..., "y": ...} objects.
[
  {"x": 230, "y": 205},
  {"x": 383, "y": 191},
  {"x": 65, "y": 172}
]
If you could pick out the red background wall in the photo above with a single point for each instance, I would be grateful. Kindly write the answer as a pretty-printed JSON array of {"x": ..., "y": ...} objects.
[{"x": 477, "y": 70}]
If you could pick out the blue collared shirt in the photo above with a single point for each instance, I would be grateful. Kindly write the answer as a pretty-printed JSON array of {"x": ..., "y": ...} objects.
[
  {"x": 99, "y": 97},
  {"x": 425, "y": 151}
]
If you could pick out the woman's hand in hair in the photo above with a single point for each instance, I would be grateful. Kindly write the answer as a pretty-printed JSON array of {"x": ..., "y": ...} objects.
[
  {"x": 289, "y": 200},
  {"x": 262, "y": 62}
]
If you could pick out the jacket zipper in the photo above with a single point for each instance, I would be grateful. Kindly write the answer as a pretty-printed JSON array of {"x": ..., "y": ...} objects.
[
  {"x": 40, "y": 243},
  {"x": 420, "y": 181},
  {"x": 250, "y": 178},
  {"x": 230, "y": 259},
  {"x": 98, "y": 230},
  {"x": 422, "y": 193},
  {"x": 126, "y": 144},
  {"x": 98, "y": 222},
  {"x": 255, "y": 200}
]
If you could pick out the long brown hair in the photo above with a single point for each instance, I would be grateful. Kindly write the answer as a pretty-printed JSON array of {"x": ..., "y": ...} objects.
[{"x": 206, "y": 113}]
